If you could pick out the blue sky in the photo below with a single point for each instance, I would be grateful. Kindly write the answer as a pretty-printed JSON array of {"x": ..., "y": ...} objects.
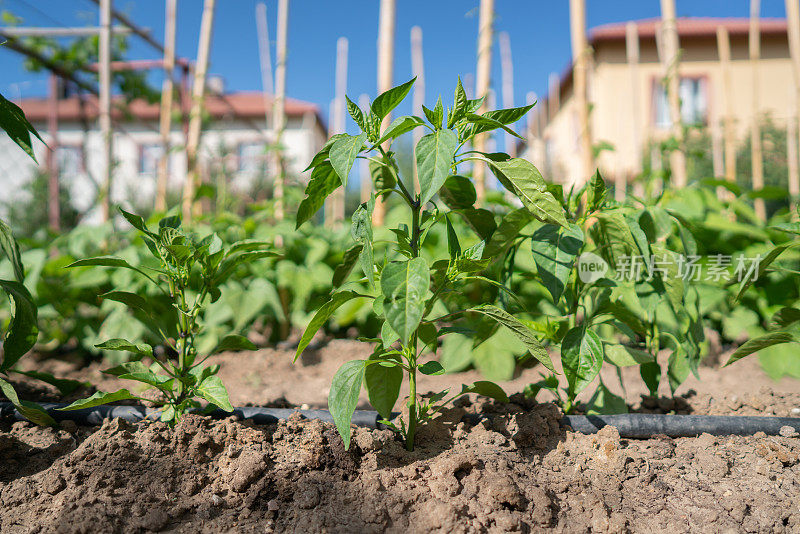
[{"x": 538, "y": 30}]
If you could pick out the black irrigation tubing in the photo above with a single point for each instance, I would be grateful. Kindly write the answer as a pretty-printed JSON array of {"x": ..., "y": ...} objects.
[{"x": 634, "y": 425}]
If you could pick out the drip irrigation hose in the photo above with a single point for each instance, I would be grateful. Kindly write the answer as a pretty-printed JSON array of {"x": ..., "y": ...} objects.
[{"x": 634, "y": 425}]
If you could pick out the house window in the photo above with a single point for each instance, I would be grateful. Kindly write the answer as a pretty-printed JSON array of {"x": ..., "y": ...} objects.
[
  {"x": 694, "y": 103},
  {"x": 149, "y": 155},
  {"x": 69, "y": 161},
  {"x": 252, "y": 157}
]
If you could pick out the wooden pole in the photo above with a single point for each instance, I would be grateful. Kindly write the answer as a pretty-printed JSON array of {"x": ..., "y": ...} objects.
[
  {"x": 670, "y": 61},
  {"x": 754, "y": 41},
  {"x": 793, "y": 22},
  {"x": 335, "y": 206},
  {"x": 167, "y": 97},
  {"x": 386, "y": 29},
  {"x": 104, "y": 56},
  {"x": 279, "y": 109},
  {"x": 580, "y": 60},
  {"x": 632, "y": 52},
  {"x": 265, "y": 59},
  {"x": 483, "y": 77},
  {"x": 418, "y": 97},
  {"x": 507, "y": 68},
  {"x": 53, "y": 207},
  {"x": 195, "y": 115},
  {"x": 365, "y": 179},
  {"x": 729, "y": 134},
  {"x": 793, "y": 166},
  {"x": 553, "y": 95},
  {"x": 532, "y": 132}
]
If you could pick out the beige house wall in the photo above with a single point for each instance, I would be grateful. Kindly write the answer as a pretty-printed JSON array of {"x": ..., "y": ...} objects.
[{"x": 611, "y": 97}]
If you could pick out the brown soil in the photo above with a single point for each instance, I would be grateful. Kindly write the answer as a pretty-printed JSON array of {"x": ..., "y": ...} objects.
[{"x": 517, "y": 470}]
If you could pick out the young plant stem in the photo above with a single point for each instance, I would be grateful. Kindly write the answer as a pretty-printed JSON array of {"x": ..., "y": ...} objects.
[{"x": 416, "y": 208}]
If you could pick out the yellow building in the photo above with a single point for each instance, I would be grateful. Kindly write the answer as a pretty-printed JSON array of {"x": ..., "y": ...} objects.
[{"x": 628, "y": 103}]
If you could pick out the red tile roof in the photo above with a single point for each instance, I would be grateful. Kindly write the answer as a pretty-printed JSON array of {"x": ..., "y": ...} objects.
[
  {"x": 243, "y": 105},
  {"x": 688, "y": 27}
]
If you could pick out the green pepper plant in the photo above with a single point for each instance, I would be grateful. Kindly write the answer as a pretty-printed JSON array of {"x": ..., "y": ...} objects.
[
  {"x": 404, "y": 286},
  {"x": 619, "y": 293},
  {"x": 190, "y": 271}
]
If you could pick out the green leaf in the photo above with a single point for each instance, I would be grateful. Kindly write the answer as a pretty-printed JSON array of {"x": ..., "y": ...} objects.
[
  {"x": 651, "y": 374},
  {"x": 130, "y": 299},
  {"x": 508, "y": 231},
  {"x": 137, "y": 221},
  {"x": 141, "y": 349},
  {"x": 596, "y": 192},
  {"x": 213, "y": 390},
  {"x": 495, "y": 358},
  {"x": 486, "y": 124},
  {"x": 322, "y": 315},
  {"x": 678, "y": 368},
  {"x": 344, "y": 269},
  {"x": 453, "y": 246},
  {"x": 232, "y": 343},
  {"x": 434, "y": 153},
  {"x": 399, "y": 126},
  {"x": 29, "y": 410},
  {"x": 785, "y": 317},
  {"x": 604, "y": 402},
  {"x": 99, "y": 398},
  {"x": 509, "y": 115},
  {"x": 765, "y": 262},
  {"x": 229, "y": 264},
  {"x": 343, "y": 396},
  {"x": 108, "y": 261},
  {"x": 384, "y": 103},
  {"x": 322, "y": 155},
  {"x": 356, "y": 113},
  {"x": 324, "y": 181},
  {"x": 480, "y": 220},
  {"x": 431, "y": 368},
  {"x": 623, "y": 356},
  {"x": 13, "y": 121},
  {"x": 524, "y": 180},
  {"x": 383, "y": 382},
  {"x": 11, "y": 249},
  {"x": 754, "y": 345},
  {"x": 581, "y": 358},
  {"x": 555, "y": 249},
  {"x": 487, "y": 389},
  {"x": 458, "y": 193},
  {"x": 456, "y": 354},
  {"x": 405, "y": 285},
  {"x": 23, "y": 327},
  {"x": 343, "y": 154},
  {"x": 522, "y": 332},
  {"x": 361, "y": 231}
]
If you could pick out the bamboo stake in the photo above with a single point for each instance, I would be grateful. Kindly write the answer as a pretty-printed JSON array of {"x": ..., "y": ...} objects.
[
  {"x": 754, "y": 42},
  {"x": 632, "y": 52},
  {"x": 670, "y": 61},
  {"x": 53, "y": 207},
  {"x": 195, "y": 115},
  {"x": 580, "y": 60},
  {"x": 553, "y": 95},
  {"x": 532, "y": 132},
  {"x": 418, "y": 97},
  {"x": 265, "y": 58},
  {"x": 279, "y": 109},
  {"x": 167, "y": 97},
  {"x": 729, "y": 135},
  {"x": 485, "y": 38},
  {"x": 793, "y": 22},
  {"x": 365, "y": 179},
  {"x": 335, "y": 206},
  {"x": 792, "y": 153},
  {"x": 507, "y": 68},
  {"x": 386, "y": 29},
  {"x": 105, "y": 105}
]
